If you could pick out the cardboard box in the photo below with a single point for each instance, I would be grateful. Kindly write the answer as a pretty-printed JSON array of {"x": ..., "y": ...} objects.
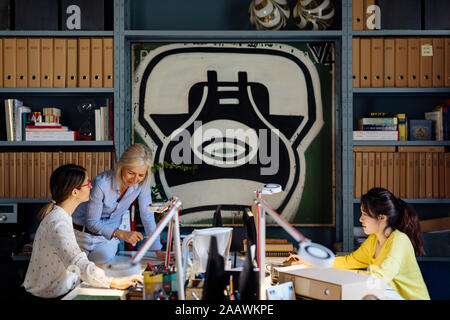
[{"x": 436, "y": 14}]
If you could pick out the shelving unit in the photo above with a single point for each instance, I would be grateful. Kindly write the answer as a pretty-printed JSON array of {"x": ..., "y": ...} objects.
[
  {"x": 65, "y": 98},
  {"x": 412, "y": 101},
  {"x": 130, "y": 26}
]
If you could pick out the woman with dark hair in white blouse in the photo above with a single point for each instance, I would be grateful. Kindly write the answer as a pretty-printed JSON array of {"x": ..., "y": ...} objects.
[{"x": 57, "y": 263}]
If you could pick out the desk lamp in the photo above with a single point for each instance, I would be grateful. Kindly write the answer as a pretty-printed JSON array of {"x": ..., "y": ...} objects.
[
  {"x": 311, "y": 253},
  {"x": 127, "y": 268}
]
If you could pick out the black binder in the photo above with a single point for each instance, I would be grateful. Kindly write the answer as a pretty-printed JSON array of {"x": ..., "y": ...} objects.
[
  {"x": 35, "y": 15},
  {"x": 436, "y": 14},
  {"x": 400, "y": 14}
]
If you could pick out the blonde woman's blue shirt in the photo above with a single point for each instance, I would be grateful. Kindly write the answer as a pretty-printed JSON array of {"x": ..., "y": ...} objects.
[{"x": 102, "y": 214}]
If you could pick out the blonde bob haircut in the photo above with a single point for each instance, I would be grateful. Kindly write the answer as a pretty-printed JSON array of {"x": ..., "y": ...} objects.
[{"x": 134, "y": 156}]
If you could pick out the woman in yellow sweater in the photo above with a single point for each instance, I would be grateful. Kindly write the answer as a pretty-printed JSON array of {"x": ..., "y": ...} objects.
[{"x": 393, "y": 243}]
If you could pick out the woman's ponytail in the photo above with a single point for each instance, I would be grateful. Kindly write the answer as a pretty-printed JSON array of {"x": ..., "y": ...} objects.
[
  {"x": 46, "y": 209},
  {"x": 408, "y": 223}
]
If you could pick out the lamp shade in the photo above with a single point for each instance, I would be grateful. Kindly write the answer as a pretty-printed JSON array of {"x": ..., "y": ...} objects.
[{"x": 315, "y": 254}]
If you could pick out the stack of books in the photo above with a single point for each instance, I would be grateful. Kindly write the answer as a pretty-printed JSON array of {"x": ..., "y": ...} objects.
[
  {"x": 22, "y": 124},
  {"x": 377, "y": 128},
  {"x": 275, "y": 247},
  {"x": 48, "y": 130}
]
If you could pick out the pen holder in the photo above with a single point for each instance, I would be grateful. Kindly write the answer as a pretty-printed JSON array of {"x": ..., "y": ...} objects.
[
  {"x": 153, "y": 285},
  {"x": 194, "y": 289}
]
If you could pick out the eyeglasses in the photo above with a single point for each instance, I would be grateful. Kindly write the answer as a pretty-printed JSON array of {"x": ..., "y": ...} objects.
[{"x": 89, "y": 184}]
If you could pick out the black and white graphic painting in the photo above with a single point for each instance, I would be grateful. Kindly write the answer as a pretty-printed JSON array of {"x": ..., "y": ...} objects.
[{"x": 245, "y": 114}]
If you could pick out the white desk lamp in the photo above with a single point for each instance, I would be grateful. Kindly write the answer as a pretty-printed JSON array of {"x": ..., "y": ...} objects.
[
  {"x": 127, "y": 268},
  {"x": 311, "y": 253}
]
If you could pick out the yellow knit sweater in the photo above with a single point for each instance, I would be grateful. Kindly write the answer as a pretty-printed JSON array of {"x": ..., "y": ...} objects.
[{"x": 396, "y": 263}]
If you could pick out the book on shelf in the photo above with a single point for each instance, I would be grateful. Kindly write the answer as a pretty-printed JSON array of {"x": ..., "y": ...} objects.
[
  {"x": 378, "y": 121},
  {"x": 44, "y": 129},
  {"x": 102, "y": 123},
  {"x": 402, "y": 127},
  {"x": 274, "y": 247},
  {"x": 375, "y": 127},
  {"x": 375, "y": 135},
  {"x": 442, "y": 110},
  {"x": 14, "y": 115},
  {"x": 437, "y": 124},
  {"x": 419, "y": 129},
  {"x": 50, "y": 136}
]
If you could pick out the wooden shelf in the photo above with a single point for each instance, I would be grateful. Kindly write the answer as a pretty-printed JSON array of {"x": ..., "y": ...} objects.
[
  {"x": 399, "y": 90},
  {"x": 399, "y": 143},
  {"x": 378, "y": 33},
  {"x": 55, "y": 33},
  {"x": 410, "y": 200},
  {"x": 56, "y": 90}
]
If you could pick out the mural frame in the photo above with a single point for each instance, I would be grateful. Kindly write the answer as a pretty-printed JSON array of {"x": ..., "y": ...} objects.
[{"x": 321, "y": 53}]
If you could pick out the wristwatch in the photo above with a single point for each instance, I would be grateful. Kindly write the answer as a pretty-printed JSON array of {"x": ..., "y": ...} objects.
[{"x": 114, "y": 234}]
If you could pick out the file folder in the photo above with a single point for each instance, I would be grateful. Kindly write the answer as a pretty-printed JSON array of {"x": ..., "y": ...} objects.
[
  {"x": 34, "y": 62},
  {"x": 108, "y": 62},
  {"x": 377, "y": 62},
  {"x": 365, "y": 63},
  {"x": 358, "y": 14},
  {"x": 438, "y": 62},
  {"x": 422, "y": 175},
  {"x": 401, "y": 62},
  {"x": 46, "y": 63},
  {"x": 426, "y": 62},
  {"x": 389, "y": 63},
  {"x": 59, "y": 75},
  {"x": 96, "y": 63},
  {"x": 9, "y": 62},
  {"x": 72, "y": 63},
  {"x": 22, "y": 62},
  {"x": 447, "y": 61},
  {"x": 358, "y": 175},
  {"x": 356, "y": 62},
  {"x": 413, "y": 62},
  {"x": 84, "y": 62}
]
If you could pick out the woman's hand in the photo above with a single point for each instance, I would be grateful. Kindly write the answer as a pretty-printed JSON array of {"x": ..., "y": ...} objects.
[
  {"x": 129, "y": 236},
  {"x": 126, "y": 282}
]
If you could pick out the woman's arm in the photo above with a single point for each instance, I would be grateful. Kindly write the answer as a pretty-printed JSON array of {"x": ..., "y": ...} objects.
[
  {"x": 357, "y": 259},
  {"x": 148, "y": 217}
]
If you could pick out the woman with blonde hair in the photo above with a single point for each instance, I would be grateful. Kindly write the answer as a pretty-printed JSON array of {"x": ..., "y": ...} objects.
[
  {"x": 96, "y": 222},
  {"x": 57, "y": 263}
]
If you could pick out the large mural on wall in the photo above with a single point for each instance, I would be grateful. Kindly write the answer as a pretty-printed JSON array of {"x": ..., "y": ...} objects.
[{"x": 244, "y": 115}]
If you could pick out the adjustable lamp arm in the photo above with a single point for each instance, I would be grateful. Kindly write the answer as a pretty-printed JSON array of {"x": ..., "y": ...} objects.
[
  {"x": 122, "y": 269},
  {"x": 312, "y": 253}
]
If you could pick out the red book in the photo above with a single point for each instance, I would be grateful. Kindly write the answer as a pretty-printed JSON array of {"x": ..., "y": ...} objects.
[{"x": 42, "y": 127}]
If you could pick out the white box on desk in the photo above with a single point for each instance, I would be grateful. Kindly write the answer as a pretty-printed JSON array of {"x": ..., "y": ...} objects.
[{"x": 332, "y": 284}]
